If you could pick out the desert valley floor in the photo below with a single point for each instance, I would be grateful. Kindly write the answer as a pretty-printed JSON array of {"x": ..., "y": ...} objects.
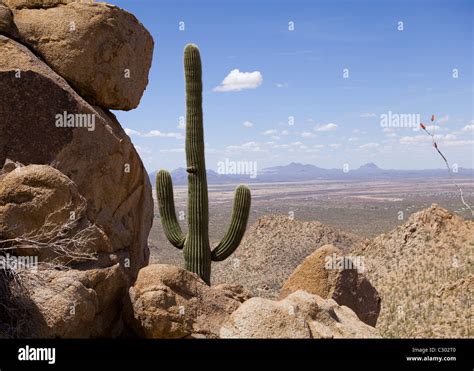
[{"x": 365, "y": 208}]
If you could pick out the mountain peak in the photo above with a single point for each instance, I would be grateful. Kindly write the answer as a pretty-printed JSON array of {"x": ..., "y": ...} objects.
[{"x": 369, "y": 166}]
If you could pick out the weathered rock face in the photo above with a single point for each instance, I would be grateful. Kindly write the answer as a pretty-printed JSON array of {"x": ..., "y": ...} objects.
[
  {"x": 42, "y": 214},
  {"x": 35, "y": 4},
  {"x": 37, "y": 199},
  {"x": 300, "y": 315},
  {"x": 74, "y": 303},
  {"x": 75, "y": 200},
  {"x": 98, "y": 158},
  {"x": 346, "y": 286},
  {"x": 7, "y": 27},
  {"x": 104, "y": 52},
  {"x": 170, "y": 302}
]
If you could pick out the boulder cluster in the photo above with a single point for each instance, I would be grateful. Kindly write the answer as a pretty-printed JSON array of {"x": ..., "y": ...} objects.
[{"x": 73, "y": 190}]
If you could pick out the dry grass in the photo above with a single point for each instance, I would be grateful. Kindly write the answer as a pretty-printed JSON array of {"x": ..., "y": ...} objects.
[
  {"x": 17, "y": 282},
  {"x": 423, "y": 271}
]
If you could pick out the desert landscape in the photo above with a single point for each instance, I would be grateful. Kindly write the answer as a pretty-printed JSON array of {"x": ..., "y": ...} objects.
[
  {"x": 93, "y": 245},
  {"x": 289, "y": 221}
]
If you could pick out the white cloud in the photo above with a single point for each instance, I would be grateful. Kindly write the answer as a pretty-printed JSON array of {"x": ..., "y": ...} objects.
[
  {"x": 285, "y": 132},
  {"x": 246, "y": 147},
  {"x": 181, "y": 125},
  {"x": 353, "y": 139},
  {"x": 281, "y": 85},
  {"x": 417, "y": 139},
  {"x": 281, "y": 146},
  {"x": 468, "y": 127},
  {"x": 307, "y": 134},
  {"x": 369, "y": 146},
  {"x": 448, "y": 139},
  {"x": 131, "y": 132},
  {"x": 159, "y": 134},
  {"x": 237, "y": 81},
  {"x": 457, "y": 143},
  {"x": 153, "y": 133},
  {"x": 433, "y": 128},
  {"x": 247, "y": 124},
  {"x": 327, "y": 127},
  {"x": 335, "y": 145},
  {"x": 368, "y": 114},
  {"x": 270, "y": 132}
]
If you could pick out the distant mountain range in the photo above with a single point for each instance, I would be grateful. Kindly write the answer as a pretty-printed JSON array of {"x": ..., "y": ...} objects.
[{"x": 296, "y": 172}]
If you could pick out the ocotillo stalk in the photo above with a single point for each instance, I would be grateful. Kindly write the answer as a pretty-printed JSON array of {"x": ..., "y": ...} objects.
[{"x": 197, "y": 251}]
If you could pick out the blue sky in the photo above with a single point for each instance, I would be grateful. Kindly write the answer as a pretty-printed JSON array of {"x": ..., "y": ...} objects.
[{"x": 300, "y": 73}]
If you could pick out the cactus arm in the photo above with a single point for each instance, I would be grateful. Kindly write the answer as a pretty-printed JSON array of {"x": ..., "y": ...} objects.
[
  {"x": 164, "y": 194},
  {"x": 238, "y": 224}
]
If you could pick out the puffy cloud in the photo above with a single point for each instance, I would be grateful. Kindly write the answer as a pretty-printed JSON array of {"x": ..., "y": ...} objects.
[
  {"x": 246, "y": 147},
  {"x": 159, "y": 134},
  {"x": 417, "y": 139},
  {"x": 247, "y": 124},
  {"x": 327, "y": 127},
  {"x": 468, "y": 127},
  {"x": 270, "y": 132},
  {"x": 153, "y": 133},
  {"x": 131, "y": 132},
  {"x": 237, "y": 81}
]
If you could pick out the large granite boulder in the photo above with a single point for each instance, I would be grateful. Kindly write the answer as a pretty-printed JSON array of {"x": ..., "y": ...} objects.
[
  {"x": 170, "y": 302},
  {"x": 330, "y": 274},
  {"x": 104, "y": 52},
  {"x": 299, "y": 316},
  {"x": 7, "y": 26},
  {"x": 44, "y": 121}
]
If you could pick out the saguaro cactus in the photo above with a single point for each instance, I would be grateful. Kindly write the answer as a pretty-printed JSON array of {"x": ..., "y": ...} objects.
[{"x": 197, "y": 252}]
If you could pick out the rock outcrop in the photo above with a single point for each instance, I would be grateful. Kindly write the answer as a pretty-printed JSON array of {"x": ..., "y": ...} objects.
[
  {"x": 76, "y": 205},
  {"x": 271, "y": 250},
  {"x": 99, "y": 158},
  {"x": 7, "y": 26},
  {"x": 422, "y": 272},
  {"x": 75, "y": 303},
  {"x": 332, "y": 275},
  {"x": 300, "y": 315},
  {"x": 103, "y": 51},
  {"x": 170, "y": 302},
  {"x": 36, "y": 4}
]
